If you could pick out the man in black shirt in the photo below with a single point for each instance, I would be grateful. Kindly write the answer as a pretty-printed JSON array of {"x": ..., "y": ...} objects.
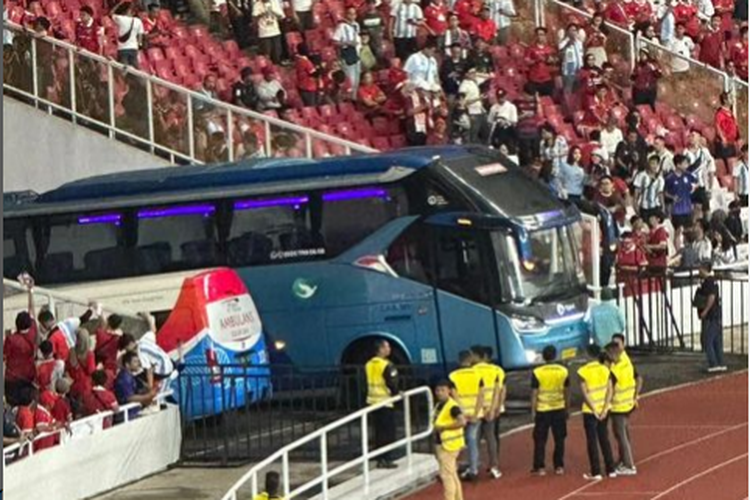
[
  {"x": 244, "y": 93},
  {"x": 708, "y": 304},
  {"x": 452, "y": 71}
]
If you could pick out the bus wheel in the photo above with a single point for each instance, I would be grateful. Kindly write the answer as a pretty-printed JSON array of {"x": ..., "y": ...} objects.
[{"x": 353, "y": 388}]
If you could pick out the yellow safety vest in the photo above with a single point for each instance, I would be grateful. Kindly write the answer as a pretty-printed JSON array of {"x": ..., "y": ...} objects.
[
  {"x": 467, "y": 381},
  {"x": 623, "y": 399},
  {"x": 551, "y": 392},
  {"x": 492, "y": 376},
  {"x": 265, "y": 496},
  {"x": 596, "y": 376},
  {"x": 452, "y": 440},
  {"x": 377, "y": 390}
]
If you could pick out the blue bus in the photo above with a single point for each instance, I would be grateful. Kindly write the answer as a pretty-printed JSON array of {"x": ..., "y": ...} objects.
[{"x": 435, "y": 249}]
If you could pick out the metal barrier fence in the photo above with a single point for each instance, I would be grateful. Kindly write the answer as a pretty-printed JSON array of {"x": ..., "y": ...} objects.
[
  {"x": 300, "y": 401},
  {"x": 80, "y": 428},
  {"x": 660, "y": 316},
  {"x": 328, "y": 467},
  {"x": 153, "y": 114}
]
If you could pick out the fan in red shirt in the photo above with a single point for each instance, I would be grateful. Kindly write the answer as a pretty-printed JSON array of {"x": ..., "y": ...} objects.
[
  {"x": 484, "y": 28},
  {"x": 436, "y": 18},
  {"x": 45, "y": 422},
  {"x": 685, "y": 12},
  {"x": 617, "y": 12},
  {"x": 466, "y": 12},
  {"x": 540, "y": 57},
  {"x": 369, "y": 96},
  {"x": 631, "y": 258},
  {"x": 88, "y": 31},
  {"x": 19, "y": 353},
  {"x": 62, "y": 411},
  {"x": 156, "y": 28},
  {"x": 641, "y": 12},
  {"x": 308, "y": 81},
  {"x": 725, "y": 9},
  {"x": 100, "y": 399},
  {"x": 25, "y": 411},
  {"x": 657, "y": 245},
  {"x": 738, "y": 53},
  {"x": 49, "y": 369},
  {"x": 81, "y": 365},
  {"x": 597, "y": 111},
  {"x": 712, "y": 44},
  {"x": 727, "y": 130},
  {"x": 105, "y": 352}
]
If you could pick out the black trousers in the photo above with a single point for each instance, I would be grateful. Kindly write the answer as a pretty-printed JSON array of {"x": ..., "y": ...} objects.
[
  {"x": 644, "y": 96},
  {"x": 597, "y": 438},
  {"x": 309, "y": 98},
  {"x": 306, "y": 21},
  {"x": 405, "y": 47},
  {"x": 272, "y": 48},
  {"x": 544, "y": 421},
  {"x": 384, "y": 425},
  {"x": 504, "y": 135}
]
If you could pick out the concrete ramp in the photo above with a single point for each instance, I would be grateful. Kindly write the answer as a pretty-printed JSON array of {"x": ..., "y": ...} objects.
[
  {"x": 42, "y": 151},
  {"x": 388, "y": 484}
]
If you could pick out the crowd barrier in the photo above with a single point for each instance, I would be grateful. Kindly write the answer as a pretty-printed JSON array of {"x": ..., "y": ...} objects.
[{"x": 146, "y": 111}]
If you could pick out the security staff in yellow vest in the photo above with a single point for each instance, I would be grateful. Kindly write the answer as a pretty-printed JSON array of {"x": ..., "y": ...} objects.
[
  {"x": 596, "y": 386},
  {"x": 449, "y": 439},
  {"x": 619, "y": 340},
  {"x": 493, "y": 381},
  {"x": 550, "y": 397},
  {"x": 382, "y": 384},
  {"x": 627, "y": 384},
  {"x": 468, "y": 393},
  {"x": 273, "y": 485}
]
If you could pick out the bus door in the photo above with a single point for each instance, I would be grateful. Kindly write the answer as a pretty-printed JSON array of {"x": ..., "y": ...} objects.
[{"x": 464, "y": 275}]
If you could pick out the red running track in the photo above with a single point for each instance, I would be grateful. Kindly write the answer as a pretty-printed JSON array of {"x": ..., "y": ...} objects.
[{"x": 690, "y": 443}]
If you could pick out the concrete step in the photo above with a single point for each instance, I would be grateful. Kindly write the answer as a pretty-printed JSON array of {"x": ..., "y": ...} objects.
[{"x": 386, "y": 484}]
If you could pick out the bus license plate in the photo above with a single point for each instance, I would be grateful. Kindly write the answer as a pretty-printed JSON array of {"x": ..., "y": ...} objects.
[{"x": 569, "y": 353}]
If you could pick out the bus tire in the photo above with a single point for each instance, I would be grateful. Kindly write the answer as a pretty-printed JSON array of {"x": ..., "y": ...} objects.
[{"x": 353, "y": 389}]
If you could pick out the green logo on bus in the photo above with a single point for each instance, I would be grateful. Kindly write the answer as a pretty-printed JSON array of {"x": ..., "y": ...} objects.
[{"x": 303, "y": 289}]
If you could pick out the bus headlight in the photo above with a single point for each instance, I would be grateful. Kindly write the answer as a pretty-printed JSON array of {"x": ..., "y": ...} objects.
[
  {"x": 532, "y": 356},
  {"x": 528, "y": 324},
  {"x": 279, "y": 345}
]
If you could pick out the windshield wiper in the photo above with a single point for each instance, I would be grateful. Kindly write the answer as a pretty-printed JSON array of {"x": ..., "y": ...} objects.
[{"x": 551, "y": 291}]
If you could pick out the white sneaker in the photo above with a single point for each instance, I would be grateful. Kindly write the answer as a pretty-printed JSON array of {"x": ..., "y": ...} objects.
[
  {"x": 612, "y": 475},
  {"x": 559, "y": 471},
  {"x": 626, "y": 471},
  {"x": 589, "y": 477},
  {"x": 721, "y": 368},
  {"x": 495, "y": 473},
  {"x": 714, "y": 369}
]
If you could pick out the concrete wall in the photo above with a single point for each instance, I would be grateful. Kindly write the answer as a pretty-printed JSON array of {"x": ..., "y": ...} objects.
[{"x": 41, "y": 152}]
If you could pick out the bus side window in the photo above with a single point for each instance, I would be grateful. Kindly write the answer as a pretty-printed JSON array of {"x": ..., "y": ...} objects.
[
  {"x": 18, "y": 246},
  {"x": 410, "y": 255}
]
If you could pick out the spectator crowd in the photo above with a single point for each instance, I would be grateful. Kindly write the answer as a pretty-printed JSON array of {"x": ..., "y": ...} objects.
[{"x": 57, "y": 371}]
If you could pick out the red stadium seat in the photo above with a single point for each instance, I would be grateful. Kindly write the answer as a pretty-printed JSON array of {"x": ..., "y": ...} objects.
[
  {"x": 231, "y": 48},
  {"x": 53, "y": 10},
  {"x": 155, "y": 54},
  {"x": 193, "y": 52},
  {"x": 380, "y": 143},
  {"x": 397, "y": 141},
  {"x": 163, "y": 69},
  {"x": 328, "y": 113}
]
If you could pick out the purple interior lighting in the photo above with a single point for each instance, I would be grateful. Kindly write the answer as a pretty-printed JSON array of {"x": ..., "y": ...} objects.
[
  {"x": 204, "y": 210},
  {"x": 100, "y": 219},
  {"x": 355, "y": 194},
  {"x": 271, "y": 202}
]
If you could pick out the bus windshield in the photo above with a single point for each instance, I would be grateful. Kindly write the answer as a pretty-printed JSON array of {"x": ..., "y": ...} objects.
[{"x": 552, "y": 268}]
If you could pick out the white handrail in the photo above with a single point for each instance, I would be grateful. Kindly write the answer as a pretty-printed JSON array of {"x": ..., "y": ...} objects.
[
  {"x": 54, "y": 295},
  {"x": 26, "y": 448},
  {"x": 150, "y": 80},
  {"x": 364, "y": 459}
]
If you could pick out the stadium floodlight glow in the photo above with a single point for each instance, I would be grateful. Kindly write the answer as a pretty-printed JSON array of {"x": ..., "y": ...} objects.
[
  {"x": 271, "y": 202},
  {"x": 100, "y": 219},
  {"x": 355, "y": 194},
  {"x": 204, "y": 210}
]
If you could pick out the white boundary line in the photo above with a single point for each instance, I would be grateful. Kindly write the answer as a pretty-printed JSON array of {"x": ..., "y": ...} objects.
[{"x": 697, "y": 476}]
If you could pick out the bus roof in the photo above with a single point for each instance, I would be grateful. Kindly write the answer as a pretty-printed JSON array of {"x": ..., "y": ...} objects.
[{"x": 128, "y": 187}]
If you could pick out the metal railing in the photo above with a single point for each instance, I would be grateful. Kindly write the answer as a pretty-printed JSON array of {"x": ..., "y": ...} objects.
[
  {"x": 62, "y": 305},
  {"x": 321, "y": 437},
  {"x": 660, "y": 316},
  {"x": 148, "y": 112},
  {"x": 78, "y": 428}
]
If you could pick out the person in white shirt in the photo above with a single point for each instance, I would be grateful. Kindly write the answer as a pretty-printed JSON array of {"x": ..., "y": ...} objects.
[
  {"x": 267, "y": 14},
  {"x": 422, "y": 68},
  {"x": 682, "y": 45},
  {"x": 665, "y": 16},
  {"x": 649, "y": 189},
  {"x": 503, "y": 118},
  {"x": 741, "y": 176},
  {"x": 666, "y": 157},
  {"x": 571, "y": 57},
  {"x": 347, "y": 38},
  {"x": 610, "y": 137},
  {"x": 406, "y": 17},
  {"x": 702, "y": 165},
  {"x": 706, "y": 10},
  {"x": 502, "y": 12},
  {"x": 473, "y": 100},
  {"x": 271, "y": 93},
  {"x": 7, "y": 34},
  {"x": 303, "y": 11},
  {"x": 129, "y": 34}
]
